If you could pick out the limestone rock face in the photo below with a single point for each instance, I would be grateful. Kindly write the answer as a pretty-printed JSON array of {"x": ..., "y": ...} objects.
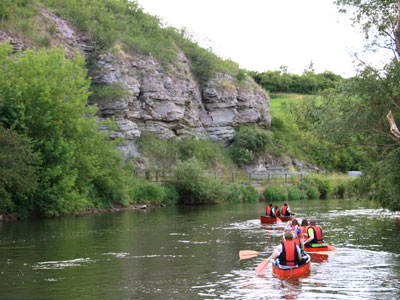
[
  {"x": 172, "y": 103},
  {"x": 147, "y": 96}
]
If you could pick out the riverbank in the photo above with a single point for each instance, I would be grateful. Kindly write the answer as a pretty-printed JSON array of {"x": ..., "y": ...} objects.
[{"x": 115, "y": 209}]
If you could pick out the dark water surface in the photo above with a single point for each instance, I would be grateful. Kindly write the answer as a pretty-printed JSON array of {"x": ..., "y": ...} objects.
[{"x": 192, "y": 253}]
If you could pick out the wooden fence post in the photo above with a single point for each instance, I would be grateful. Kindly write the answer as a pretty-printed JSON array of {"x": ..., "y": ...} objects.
[
  {"x": 302, "y": 177},
  {"x": 157, "y": 175},
  {"x": 285, "y": 177},
  {"x": 250, "y": 177},
  {"x": 216, "y": 175},
  {"x": 269, "y": 178},
  {"x": 233, "y": 176}
]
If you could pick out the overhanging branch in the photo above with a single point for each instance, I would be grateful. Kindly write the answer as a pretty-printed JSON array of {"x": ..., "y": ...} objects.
[{"x": 393, "y": 126}]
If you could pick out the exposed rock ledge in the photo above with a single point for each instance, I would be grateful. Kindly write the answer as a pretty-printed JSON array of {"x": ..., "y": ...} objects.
[{"x": 168, "y": 102}]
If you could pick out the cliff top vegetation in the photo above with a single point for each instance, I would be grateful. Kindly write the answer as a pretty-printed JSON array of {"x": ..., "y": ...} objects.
[{"x": 108, "y": 23}]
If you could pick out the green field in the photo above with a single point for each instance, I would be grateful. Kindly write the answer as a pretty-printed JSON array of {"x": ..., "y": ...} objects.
[{"x": 279, "y": 100}]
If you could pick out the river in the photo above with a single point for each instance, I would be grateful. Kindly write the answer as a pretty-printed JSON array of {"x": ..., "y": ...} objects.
[{"x": 192, "y": 253}]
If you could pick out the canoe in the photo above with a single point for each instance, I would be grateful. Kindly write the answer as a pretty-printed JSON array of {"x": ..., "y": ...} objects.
[
  {"x": 292, "y": 272},
  {"x": 326, "y": 248},
  {"x": 270, "y": 220}
]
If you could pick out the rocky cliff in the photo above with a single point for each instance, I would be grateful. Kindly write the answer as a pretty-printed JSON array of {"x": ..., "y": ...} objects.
[{"x": 169, "y": 102}]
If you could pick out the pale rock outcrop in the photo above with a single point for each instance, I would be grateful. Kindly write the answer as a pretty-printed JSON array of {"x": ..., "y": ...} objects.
[{"x": 169, "y": 102}]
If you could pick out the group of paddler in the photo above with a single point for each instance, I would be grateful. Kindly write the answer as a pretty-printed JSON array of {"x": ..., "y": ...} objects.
[
  {"x": 275, "y": 212},
  {"x": 291, "y": 257}
]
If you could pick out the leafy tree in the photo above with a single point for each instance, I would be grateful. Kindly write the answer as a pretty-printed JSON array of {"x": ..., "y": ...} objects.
[
  {"x": 18, "y": 179},
  {"x": 44, "y": 96},
  {"x": 356, "y": 115},
  {"x": 378, "y": 19}
]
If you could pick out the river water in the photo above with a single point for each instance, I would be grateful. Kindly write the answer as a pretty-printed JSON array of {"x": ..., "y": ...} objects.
[{"x": 192, "y": 253}]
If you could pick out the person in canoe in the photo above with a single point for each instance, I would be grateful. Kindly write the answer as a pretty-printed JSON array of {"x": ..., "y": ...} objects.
[
  {"x": 277, "y": 212},
  {"x": 303, "y": 228},
  {"x": 270, "y": 211},
  {"x": 287, "y": 253},
  {"x": 285, "y": 210},
  {"x": 314, "y": 233},
  {"x": 298, "y": 241},
  {"x": 293, "y": 225}
]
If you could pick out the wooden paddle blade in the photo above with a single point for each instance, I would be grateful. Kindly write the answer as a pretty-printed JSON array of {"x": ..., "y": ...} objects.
[
  {"x": 244, "y": 254},
  {"x": 278, "y": 219},
  {"x": 262, "y": 267},
  {"x": 322, "y": 252},
  {"x": 331, "y": 248}
]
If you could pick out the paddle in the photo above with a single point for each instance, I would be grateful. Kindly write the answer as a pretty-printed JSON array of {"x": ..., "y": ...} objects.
[
  {"x": 244, "y": 254},
  {"x": 322, "y": 252},
  {"x": 330, "y": 248},
  {"x": 262, "y": 267}
]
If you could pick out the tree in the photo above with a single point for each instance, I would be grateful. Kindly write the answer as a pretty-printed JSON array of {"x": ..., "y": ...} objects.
[
  {"x": 356, "y": 114},
  {"x": 379, "y": 20},
  {"x": 18, "y": 179},
  {"x": 43, "y": 95}
]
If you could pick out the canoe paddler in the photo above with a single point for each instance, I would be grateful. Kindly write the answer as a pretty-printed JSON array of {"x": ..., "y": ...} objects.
[
  {"x": 314, "y": 233},
  {"x": 270, "y": 212},
  {"x": 287, "y": 253}
]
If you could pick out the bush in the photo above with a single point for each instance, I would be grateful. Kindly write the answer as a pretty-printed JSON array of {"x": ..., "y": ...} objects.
[
  {"x": 234, "y": 194},
  {"x": 248, "y": 143},
  {"x": 171, "y": 195},
  {"x": 195, "y": 186},
  {"x": 310, "y": 190},
  {"x": 249, "y": 193},
  {"x": 340, "y": 190},
  {"x": 324, "y": 186},
  {"x": 148, "y": 192},
  {"x": 294, "y": 193},
  {"x": 275, "y": 193}
]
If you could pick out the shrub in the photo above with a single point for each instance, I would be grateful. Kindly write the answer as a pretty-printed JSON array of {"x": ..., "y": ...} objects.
[
  {"x": 324, "y": 186},
  {"x": 294, "y": 193},
  {"x": 195, "y": 186},
  {"x": 171, "y": 195},
  {"x": 340, "y": 190},
  {"x": 310, "y": 190},
  {"x": 275, "y": 193},
  {"x": 248, "y": 143},
  {"x": 234, "y": 194},
  {"x": 148, "y": 192},
  {"x": 249, "y": 193}
]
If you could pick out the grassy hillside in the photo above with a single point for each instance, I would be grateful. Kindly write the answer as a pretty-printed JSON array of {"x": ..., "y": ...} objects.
[{"x": 108, "y": 23}]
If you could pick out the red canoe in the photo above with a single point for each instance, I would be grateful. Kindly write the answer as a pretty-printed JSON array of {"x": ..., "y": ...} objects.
[
  {"x": 270, "y": 220},
  {"x": 293, "y": 272},
  {"x": 325, "y": 248}
]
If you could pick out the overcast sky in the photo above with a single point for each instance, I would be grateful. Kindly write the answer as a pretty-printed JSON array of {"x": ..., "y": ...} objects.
[{"x": 263, "y": 35}]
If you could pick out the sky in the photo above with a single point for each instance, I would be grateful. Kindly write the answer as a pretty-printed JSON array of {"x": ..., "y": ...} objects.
[{"x": 262, "y": 35}]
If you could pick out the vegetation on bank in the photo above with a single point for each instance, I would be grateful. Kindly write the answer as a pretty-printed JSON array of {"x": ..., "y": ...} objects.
[
  {"x": 314, "y": 187},
  {"x": 52, "y": 137},
  {"x": 55, "y": 160}
]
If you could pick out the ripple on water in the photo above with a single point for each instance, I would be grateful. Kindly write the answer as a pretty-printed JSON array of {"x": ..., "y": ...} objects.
[{"x": 53, "y": 265}]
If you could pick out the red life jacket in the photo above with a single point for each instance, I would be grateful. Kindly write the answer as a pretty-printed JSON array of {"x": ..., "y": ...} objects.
[
  {"x": 277, "y": 213},
  {"x": 289, "y": 255},
  {"x": 317, "y": 234},
  {"x": 269, "y": 211},
  {"x": 284, "y": 213},
  {"x": 304, "y": 231},
  {"x": 297, "y": 241}
]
